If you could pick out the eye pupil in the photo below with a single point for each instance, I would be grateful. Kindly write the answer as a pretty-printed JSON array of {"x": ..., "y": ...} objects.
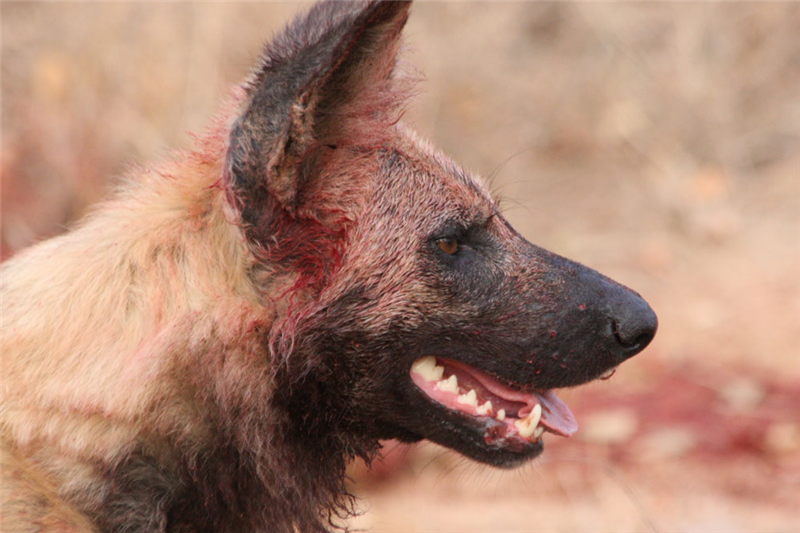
[{"x": 448, "y": 246}]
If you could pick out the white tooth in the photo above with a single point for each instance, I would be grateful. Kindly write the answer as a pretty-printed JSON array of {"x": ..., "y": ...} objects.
[
  {"x": 527, "y": 425},
  {"x": 536, "y": 415},
  {"x": 524, "y": 427},
  {"x": 485, "y": 408},
  {"x": 437, "y": 373},
  {"x": 538, "y": 432},
  {"x": 449, "y": 385},
  {"x": 424, "y": 366},
  {"x": 470, "y": 398},
  {"x": 501, "y": 414}
]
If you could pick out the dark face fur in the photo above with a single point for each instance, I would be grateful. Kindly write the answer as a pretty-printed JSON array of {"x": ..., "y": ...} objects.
[
  {"x": 398, "y": 255},
  {"x": 529, "y": 318}
]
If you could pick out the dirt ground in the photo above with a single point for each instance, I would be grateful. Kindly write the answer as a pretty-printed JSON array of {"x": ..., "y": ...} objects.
[{"x": 658, "y": 143}]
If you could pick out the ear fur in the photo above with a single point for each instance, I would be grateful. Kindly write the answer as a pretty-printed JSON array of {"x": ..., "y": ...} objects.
[{"x": 327, "y": 81}]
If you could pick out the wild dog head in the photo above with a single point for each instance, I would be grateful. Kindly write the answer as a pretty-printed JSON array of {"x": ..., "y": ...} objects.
[{"x": 412, "y": 309}]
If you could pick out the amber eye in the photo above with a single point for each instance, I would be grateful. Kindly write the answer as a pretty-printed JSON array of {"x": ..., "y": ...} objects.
[{"x": 448, "y": 246}]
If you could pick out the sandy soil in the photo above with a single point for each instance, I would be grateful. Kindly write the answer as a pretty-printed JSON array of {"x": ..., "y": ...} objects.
[{"x": 658, "y": 143}]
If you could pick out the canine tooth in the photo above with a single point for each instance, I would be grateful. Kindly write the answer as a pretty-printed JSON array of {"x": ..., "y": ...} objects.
[
  {"x": 449, "y": 385},
  {"x": 536, "y": 415},
  {"x": 470, "y": 398},
  {"x": 437, "y": 373},
  {"x": 538, "y": 432},
  {"x": 426, "y": 367},
  {"x": 501, "y": 415},
  {"x": 524, "y": 427},
  {"x": 485, "y": 408},
  {"x": 527, "y": 425}
]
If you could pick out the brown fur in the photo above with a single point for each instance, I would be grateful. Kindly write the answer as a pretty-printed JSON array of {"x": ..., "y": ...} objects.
[{"x": 207, "y": 350}]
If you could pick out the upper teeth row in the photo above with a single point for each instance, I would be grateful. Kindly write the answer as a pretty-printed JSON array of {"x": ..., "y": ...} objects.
[{"x": 430, "y": 371}]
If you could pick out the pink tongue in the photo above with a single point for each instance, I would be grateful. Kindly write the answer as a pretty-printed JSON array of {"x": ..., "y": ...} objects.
[{"x": 556, "y": 416}]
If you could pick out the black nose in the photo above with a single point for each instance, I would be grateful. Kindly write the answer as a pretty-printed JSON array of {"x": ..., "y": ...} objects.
[
  {"x": 634, "y": 324},
  {"x": 594, "y": 323}
]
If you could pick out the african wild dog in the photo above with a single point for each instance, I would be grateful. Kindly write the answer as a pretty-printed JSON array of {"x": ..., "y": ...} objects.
[{"x": 207, "y": 350}]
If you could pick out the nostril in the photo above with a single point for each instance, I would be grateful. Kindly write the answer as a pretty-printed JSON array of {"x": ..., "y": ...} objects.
[
  {"x": 642, "y": 339},
  {"x": 635, "y": 332},
  {"x": 615, "y": 328}
]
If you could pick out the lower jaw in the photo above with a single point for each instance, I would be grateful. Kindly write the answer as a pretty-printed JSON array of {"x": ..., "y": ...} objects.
[
  {"x": 501, "y": 454},
  {"x": 468, "y": 437},
  {"x": 505, "y": 459}
]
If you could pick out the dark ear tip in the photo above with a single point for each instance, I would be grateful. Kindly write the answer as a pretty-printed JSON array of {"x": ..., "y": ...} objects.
[
  {"x": 314, "y": 75},
  {"x": 382, "y": 11}
]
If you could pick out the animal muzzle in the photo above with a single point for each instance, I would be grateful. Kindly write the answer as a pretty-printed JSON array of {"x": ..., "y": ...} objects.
[{"x": 585, "y": 323}]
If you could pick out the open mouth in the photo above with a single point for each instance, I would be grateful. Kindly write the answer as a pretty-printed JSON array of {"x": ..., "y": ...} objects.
[{"x": 509, "y": 415}]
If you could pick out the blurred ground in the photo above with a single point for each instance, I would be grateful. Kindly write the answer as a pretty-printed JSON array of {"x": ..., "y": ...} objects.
[{"x": 658, "y": 143}]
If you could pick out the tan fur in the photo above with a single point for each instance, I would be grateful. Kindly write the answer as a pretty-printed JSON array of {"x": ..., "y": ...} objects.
[
  {"x": 117, "y": 335},
  {"x": 159, "y": 270},
  {"x": 31, "y": 502},
  {"x": 152, "y": 284}
]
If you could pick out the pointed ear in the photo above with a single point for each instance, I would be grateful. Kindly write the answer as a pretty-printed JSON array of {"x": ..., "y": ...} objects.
[{"x": 326, "y": 81}]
